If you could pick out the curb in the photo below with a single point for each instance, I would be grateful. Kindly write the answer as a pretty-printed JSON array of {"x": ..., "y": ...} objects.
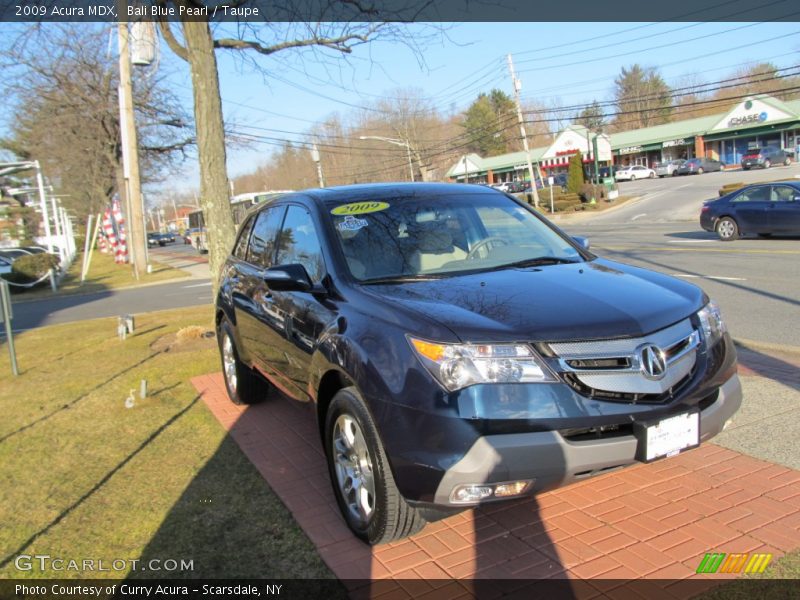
[
  {"x": 767, "y": 346},
  {"x": 579, "y": 216}
]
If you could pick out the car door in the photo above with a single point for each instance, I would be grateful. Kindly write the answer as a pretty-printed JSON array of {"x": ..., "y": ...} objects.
[
  {"x": 752, "y": 209},
  {"x": 257, "y": 321},
  {"x": 784, "y": 211},
  {"x": 305, "y": 314}
]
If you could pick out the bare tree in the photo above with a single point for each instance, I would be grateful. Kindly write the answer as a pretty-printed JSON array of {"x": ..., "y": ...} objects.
[
  {"x": 66, "y": 113},
  {"x": 355, "y": 25}
]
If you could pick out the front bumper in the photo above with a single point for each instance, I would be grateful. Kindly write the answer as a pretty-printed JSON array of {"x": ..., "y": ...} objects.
[{"x": 551, "y": 460}]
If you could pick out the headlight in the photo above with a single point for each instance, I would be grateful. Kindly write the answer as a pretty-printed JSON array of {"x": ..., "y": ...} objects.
[
  {"x": 457, "y": 366},
  {"x": 712, "y": 323}
]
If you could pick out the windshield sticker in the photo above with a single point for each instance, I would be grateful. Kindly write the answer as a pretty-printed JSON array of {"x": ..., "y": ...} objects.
[
  {"x": 359, "y": 208},
  {"x": 351, "y": 224}
]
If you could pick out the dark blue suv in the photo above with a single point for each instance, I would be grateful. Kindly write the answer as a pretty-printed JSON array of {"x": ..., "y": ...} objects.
[{"x": 460, "y": 349}]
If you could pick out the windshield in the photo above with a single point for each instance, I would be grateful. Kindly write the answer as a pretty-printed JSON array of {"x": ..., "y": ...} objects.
[{"x": 437, "y": 236}]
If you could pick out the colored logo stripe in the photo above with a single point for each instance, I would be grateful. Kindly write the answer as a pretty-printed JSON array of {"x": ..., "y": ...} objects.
[{"x": 714, "y": 562}]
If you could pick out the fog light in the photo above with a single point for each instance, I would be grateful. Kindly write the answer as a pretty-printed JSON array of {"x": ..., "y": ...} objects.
[
  {"x": 513, "y": 488},
  {"x": 470, "y": 493}
]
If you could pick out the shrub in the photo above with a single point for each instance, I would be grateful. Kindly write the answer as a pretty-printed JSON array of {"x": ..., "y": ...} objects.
[
  {"x": 30, "y": 268},
  {"x": 589, "y": 191}
]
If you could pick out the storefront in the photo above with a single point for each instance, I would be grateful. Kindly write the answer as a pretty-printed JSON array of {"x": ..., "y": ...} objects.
[{"x": 751, "y": 124}]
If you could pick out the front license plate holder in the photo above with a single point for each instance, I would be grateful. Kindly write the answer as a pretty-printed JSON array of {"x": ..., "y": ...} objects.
[{"x": 667, "y": 437}]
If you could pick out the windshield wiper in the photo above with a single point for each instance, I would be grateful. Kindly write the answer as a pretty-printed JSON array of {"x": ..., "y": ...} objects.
[
  {"x": 540, "y": 260},
  {"x": 400, "y": 279}
]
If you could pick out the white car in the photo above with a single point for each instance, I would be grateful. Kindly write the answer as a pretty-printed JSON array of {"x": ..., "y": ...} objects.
[{"x": 634, "y": 172}]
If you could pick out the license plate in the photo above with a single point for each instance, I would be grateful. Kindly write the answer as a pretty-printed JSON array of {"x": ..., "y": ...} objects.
[{"x": 668, "y": 437}]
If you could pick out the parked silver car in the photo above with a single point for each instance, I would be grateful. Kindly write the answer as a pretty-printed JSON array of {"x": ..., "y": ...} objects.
[{"x": 669, "y": 168}]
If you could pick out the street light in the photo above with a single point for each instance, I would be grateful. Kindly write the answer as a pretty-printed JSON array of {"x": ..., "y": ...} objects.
[{"x": 402, "y": 143}]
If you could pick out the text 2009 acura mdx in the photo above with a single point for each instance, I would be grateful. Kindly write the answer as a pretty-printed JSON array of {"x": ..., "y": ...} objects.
[{"x": 460, "y": 349}]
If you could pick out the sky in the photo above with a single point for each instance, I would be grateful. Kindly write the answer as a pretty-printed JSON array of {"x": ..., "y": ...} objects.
[{"x": 568, "y": 63}]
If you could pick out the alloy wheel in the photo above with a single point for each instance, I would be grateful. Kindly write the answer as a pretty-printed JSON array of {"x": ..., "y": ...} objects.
[
  {"x": 726, "y": 229},
  {"x": 354, "y": 473},
  {"x": 229, "y": 362}
]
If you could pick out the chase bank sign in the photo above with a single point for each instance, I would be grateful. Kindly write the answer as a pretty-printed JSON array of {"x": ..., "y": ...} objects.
[{"x": 747, "y": 119}]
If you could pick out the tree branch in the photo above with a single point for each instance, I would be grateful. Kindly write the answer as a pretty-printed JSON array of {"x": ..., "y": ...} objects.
[
  {"x": 171, "y": 40},
  {"x": 343, "y": 43}
]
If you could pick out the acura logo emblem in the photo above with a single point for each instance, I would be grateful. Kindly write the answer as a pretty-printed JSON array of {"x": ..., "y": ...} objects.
[{"x": 652, "y": 361}]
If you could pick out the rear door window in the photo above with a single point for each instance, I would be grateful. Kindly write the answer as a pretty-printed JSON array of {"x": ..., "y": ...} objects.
[
  {"x": 759, "y": 194},
  {"x": 240, "y": 249}
]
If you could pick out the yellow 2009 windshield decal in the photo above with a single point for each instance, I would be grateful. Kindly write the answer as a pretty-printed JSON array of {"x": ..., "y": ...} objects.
[{"x": 359, "y": 208}]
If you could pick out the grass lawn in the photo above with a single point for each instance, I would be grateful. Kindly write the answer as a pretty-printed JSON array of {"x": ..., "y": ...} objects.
[
  {"x": 83, "y": 477},
  {"x": 104, "y": 274}
]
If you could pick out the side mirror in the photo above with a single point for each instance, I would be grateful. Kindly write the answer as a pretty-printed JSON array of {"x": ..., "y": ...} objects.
[
  {"x": 288, "y": 278},
  {"x": 582, "y": 241}
]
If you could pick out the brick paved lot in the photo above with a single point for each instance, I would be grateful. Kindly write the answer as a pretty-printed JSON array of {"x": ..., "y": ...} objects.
[{"x": 651, "y": 521}]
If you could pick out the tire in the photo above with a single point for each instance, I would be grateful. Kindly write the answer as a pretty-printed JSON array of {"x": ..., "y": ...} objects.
[
  {"x": 633, "y": 178},
  {"x": 767, "y": 164},
  {"x": 727, "y": 229},
  {"x": 700, "y": 170},
  {"x": 787, "y": 162},
  {"x": 244, "y": 385},
  {"x": 380, "y": 514},
  {"x": 745, "y": 168},
  {"x": 652, "y": 175},
  {"x": 675, "y": 173}
]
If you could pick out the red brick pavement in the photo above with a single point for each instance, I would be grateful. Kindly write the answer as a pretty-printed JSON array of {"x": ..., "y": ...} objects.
[{"x": 651, "y": 521}]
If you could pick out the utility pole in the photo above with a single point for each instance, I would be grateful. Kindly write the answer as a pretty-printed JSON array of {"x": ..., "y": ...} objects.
[
  {"x": 315, "y": 157},
  {"x": 130, "y": 156},
  {"x": 517, "y": 86}
]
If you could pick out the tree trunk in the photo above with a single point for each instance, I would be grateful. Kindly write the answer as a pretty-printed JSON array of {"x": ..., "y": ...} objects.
[{"x": 210, "y": 146}]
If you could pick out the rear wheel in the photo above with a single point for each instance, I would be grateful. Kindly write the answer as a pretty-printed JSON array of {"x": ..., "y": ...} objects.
[
  {"x": 727, "y": 229},
  {"x": 652, "y": 175},
  {"x": 700, "y": 171},
  {"x": 787, "y": 162},
  {"x": 767, "y": 164},
  {"x": 362, "y": 480},
  {"x": 633, "y": 177},
  {"x": 243, "y": 384}
]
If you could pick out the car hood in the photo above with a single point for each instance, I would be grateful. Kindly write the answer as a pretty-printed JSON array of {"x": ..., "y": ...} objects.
[{"x": 591, "y": 300}]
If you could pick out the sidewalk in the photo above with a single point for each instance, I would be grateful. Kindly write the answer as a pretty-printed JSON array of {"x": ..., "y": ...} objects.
[{"x": 653, "y": 522}]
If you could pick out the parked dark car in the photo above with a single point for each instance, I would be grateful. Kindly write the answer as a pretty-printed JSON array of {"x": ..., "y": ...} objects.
[
  {"x": 762, "y": 209},
  {"x": 155, "y": 239},
  {"x": 698, "y": 166},
  {"x": 458, "y": 348},
  {"x": 765, "y": 158}
]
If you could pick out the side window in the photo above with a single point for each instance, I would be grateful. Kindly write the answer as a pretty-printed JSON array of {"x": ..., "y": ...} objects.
[
  {"x": 783, "y": 193},
  {"x": 299, "y": 243},
  {"x": 759, "y": 194},
  {"x": 240, "y": 249},
  {"x": 265, "y": 231}
]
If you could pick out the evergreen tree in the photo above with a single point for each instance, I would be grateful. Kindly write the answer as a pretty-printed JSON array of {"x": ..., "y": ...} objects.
[
  {"x": 575, "y": 177},
  {"x": 591, "y": 117},
  {"x": 488, "y": 123},
  {"x": 643, "y": 98}
]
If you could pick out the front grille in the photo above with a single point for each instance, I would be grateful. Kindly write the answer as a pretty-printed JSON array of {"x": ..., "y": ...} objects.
[{"x": 650, "y": 369}]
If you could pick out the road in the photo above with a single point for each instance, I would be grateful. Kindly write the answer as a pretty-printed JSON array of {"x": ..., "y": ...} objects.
[
  {"x": 753, "y": 280},
  {"x": 191, "y": 291}
]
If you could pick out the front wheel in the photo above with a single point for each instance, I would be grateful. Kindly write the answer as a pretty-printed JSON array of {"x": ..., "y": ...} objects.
[
  {"x": 652, "y": 175},
  {"x": 633, "y": 177},
  {"x": 767, "y": 164},
  {"x": 362, "y": 480},
  {"x": 700, "y": 171},
  {"x": 727, "y": 229},
  {"x": 244, "y": 386},
  {"x": 787, "y": 162}
]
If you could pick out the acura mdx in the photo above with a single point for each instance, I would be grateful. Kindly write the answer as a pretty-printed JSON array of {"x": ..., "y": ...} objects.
[{"x": 459, "y": 349}]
